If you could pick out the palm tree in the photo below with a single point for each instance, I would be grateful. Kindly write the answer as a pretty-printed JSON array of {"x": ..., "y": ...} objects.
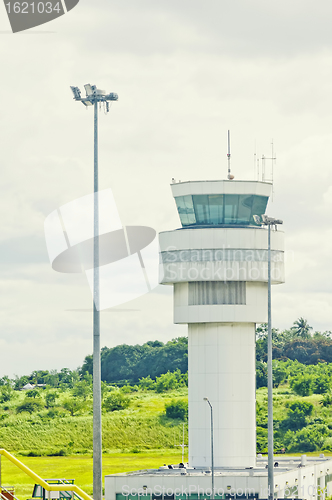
[{"x": 301, "y": 328}]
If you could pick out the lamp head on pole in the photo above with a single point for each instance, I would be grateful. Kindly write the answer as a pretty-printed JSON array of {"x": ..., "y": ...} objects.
[
  {"x": 266, "y": 221},
  {"x": 94, "y": 95}
]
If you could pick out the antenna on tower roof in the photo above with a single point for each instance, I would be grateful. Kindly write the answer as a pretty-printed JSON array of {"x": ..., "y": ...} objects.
[{"x": 229, "y": 176}]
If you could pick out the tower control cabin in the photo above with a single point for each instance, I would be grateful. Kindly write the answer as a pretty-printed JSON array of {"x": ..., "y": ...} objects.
[{"x": 218, "y": 265}]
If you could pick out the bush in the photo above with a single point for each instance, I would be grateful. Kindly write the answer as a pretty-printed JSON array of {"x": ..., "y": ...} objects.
[
  {"x": 128, "y": 389},
  {"x": 6, "y": 394},
  {"x": 310, "y": 438},
  {"x": 261, "y": 374},
  {"x": 74, "y": 405},
  {"x": 261, "y": 439},
  {"x": 30, "y": 405},
  {"x": 327, "y": 400},
  {"x": 168, "y": 381},
  {"x": 297, "y": 413},
  {"x": 147, "y": 384},
  {"x": 322, "y": 385},
  {"x": 303, "y": 385},
  {"x": 177, "y": 409},
  {"x": 116, "y": 401},
  {"x": 50, "y": 399}
]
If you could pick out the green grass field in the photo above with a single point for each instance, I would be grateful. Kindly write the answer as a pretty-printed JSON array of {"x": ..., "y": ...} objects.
[
  {"x": 138, "y": 437},
  {"x": 80, "y": 468}
]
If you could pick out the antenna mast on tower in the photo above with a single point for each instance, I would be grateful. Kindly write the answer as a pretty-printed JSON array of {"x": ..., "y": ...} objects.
[{"x": 229, "y": 176}]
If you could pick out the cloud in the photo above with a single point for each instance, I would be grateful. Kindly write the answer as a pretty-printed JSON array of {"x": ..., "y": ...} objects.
[{"x": 185, "y": 72}]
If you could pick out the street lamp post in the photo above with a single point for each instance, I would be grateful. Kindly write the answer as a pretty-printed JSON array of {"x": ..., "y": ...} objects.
[
  {"x": 212, "y": 456},
  {"x": 93, "y": 97},
  {"x": 269, "y": 221}
]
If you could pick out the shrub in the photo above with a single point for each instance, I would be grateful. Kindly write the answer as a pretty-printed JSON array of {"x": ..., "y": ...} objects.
[
  {"x": 261, "y": 374},
  {"x": 128, "y": 389},
  {"x": 147, "y": 384},
  {"x": 310, "y": 438},
  {"x": 6, "y": 394},
  {"x": 177, "y": 409},
  {"x": 261, "y": 439},
  {"x": 297, "y": 413},
  {"x": 322, "y": 385},
  {"x": 116, "y": 401},
  {"x": 74, "y": 405},
  {"x": 50, "y": 399},
  {"x": 30, "y": 405},
  {"x": 168, "y": 381},
  {"x": 327, "y": 400},
  {"x": 81, "y": 389},
  {"x": 303, "y": 385}
]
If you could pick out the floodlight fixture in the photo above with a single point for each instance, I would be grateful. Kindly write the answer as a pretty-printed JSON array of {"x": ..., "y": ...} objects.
[
  {"x": 257, "y": 219},
  {"x": 112, "y": 97},
  {"x": 88, "y": 89},
  {"x": 94, "y": 95},
  {"x": 267, "y": 221},
  {"x": 270, "y": 221},
  {"x": 76, "y": 91},
  {"x": 86, "y": 102}
]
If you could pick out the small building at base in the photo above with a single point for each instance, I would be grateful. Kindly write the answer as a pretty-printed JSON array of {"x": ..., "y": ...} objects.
[{"x": 294, "y": 477}]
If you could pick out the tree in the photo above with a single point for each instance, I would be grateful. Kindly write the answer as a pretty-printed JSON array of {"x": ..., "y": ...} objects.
[
  {"x": 169, "y": 380},
  {"x": 177, "y": 409},
  {"x": 301, "y": 328},
  {"x": 310, "y": 438},
  {"x": 302, "y": 384},
  {"x": 322, "y": 384},
  {"x": 30, "y": 405},
  {"x": 50, "y": 399},
  {"x": 298, "y": 411},
  {"x": 261, "y": 374},
  {"x": 147, "y": 384},
  {"x": 280, "y": 373},
  {"x": 6, "y": 393},
  {"x": 116, "y": 401},
  {"x": 52, "y": 378},
  {"x": 327, "y": 400},
  {"x": 81, "y": 390},
  {"x": 33, "y": 393},
  {"x": 74, "y": 405}
]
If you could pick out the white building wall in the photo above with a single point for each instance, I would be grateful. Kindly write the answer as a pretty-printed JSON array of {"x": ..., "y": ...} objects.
[{"x": 222, "y": 368}]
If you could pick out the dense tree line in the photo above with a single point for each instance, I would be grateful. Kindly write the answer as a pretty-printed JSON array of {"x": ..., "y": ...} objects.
[
  {"x": 130, "y": 363},
  {"x": 297, "y": 343}
]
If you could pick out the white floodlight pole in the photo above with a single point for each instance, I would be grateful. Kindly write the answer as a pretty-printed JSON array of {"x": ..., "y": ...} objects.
[
  {"x": 97, "y": 428},
  {"x": 212, "y": 454},
  {"x": 93, "y": 97},
  {"x": 269, "y": 221},
  {"x": 270, "y": 446}
]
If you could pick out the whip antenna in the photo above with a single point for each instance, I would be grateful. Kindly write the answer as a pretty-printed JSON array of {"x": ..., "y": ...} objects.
[{"x": 229, "y": 176}]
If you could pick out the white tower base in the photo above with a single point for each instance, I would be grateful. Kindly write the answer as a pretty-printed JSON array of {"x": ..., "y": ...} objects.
[{"x": 222, "y": 368}]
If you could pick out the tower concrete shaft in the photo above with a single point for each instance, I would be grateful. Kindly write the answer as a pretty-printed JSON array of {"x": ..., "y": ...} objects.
[{"x": 218, "y": 265}]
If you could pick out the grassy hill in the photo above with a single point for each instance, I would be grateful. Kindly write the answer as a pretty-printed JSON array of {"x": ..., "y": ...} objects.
[{"x": 302, "y": 424}]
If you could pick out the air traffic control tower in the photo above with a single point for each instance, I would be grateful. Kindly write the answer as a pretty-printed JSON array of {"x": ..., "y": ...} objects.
[{"x": 218, "y": 265}]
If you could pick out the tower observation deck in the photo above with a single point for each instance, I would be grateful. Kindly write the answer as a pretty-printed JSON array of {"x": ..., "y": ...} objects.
[{"x": 218, "y": 265}]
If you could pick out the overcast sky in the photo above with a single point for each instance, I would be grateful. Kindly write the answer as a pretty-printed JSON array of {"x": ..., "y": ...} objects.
[{"x": 185, "y": 71}]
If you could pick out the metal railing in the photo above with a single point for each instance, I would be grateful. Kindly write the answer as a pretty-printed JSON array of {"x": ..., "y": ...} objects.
[
  {"x": 80, "y": 494},
  {"x": 10, "y": 492}
]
